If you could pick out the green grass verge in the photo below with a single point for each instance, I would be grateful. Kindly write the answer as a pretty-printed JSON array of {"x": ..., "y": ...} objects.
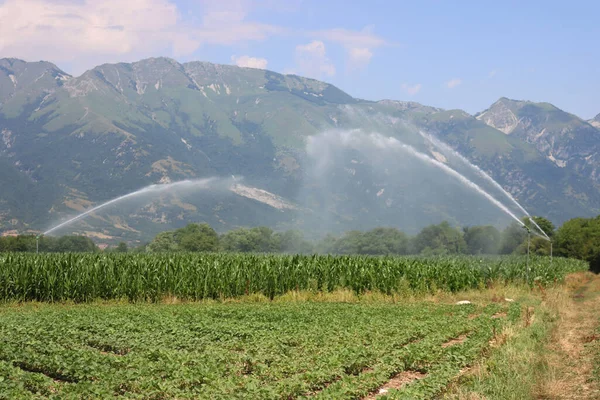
[{"x": 517, "y": 366}]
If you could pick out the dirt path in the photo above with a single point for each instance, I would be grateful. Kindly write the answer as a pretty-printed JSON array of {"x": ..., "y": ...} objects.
[{"x": 575, "y": 343}]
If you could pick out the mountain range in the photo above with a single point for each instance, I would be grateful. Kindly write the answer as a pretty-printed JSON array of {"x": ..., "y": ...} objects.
[{"x": 69, "y": 143}]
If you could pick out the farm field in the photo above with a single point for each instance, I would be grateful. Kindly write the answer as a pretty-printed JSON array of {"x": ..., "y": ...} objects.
[
  {"x": 260, "y": 351},
  {"x": 197, "y": 276},
  {"x": 222, "y": 326}
]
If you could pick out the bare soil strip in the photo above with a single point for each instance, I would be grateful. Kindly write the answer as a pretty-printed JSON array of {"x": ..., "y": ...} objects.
[
  {"x": 397, "y": 382},
  {"x": 499, "y": 315},
  {"x": 455, "y": 341}
]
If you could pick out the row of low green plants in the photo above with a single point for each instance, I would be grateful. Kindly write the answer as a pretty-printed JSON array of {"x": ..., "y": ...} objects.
[
  {"x": 230, "y": 351},
  {"x": 195, "y": 276}
]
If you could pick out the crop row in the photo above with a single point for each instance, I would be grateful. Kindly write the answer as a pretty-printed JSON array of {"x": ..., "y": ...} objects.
[
  {"x": 228, "y": 351},
  {"x": 194, "y": 276}
]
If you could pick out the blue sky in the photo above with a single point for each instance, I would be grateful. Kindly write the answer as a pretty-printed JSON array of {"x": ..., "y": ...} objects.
[{"x": 462, "y": 54}]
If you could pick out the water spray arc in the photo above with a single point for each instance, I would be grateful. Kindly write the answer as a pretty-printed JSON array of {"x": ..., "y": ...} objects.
[
  {"x": 392, "y": 143},
  {"x": 319, "y": 148},
  {"x": 444, "y": 147},
  {"x": 151, "y": 189}
]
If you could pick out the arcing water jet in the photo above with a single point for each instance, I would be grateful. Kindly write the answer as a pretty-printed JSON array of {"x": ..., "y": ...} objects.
[
  {"x": 151, "y": 189},
  {"x": 448, "y": 150},
  {"x": 360, "y": 141}
]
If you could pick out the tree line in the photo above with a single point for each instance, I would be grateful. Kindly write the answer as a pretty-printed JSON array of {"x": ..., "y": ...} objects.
[
  {"x": 47, "y": 244},
  {"x": 576, "y": 238},
  {"x": 440, "y": 239}
]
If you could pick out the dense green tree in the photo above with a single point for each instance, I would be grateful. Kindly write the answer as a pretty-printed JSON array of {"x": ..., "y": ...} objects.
[
  {"x": 326, "y": 245},
  {"x": 260, "y": 239},
  {"x": 378, "y": 241},
  {"x": 75, "y": 244},
  {"x": 349, "y": 243},
  {"x": 440, "y": 239},
  {"x": 141, "y": 248},
  {"x": 238, "y": 240},
  {"x": 163, "y": 242},
  {"x": 580, "y": 238},
  {"x": 122, "y": 248},
  {"x": 47, "y": 244},
  {"x": 546, "y": 225},
  {"x": 292, "y": 241},
  {"x": 385, "y": 241},
  {"x": 197, "y": 237},
  {"x": 515, "y": 239},
  {"x": 193, "y": 237},
  {"x": 21, "y": 243},
  {"x": 537, "y": 245},
  {"x": 482, "y": 239},
  {"x": 512, "y": 237},
  {"x": 263, "y": 237}
]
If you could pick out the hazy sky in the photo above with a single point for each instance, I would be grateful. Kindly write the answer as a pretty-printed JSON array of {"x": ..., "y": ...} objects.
[{"x": 451, "y": 54}]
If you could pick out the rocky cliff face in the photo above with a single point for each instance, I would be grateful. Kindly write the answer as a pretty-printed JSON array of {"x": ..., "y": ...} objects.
[{"x": 563, "y": 138}]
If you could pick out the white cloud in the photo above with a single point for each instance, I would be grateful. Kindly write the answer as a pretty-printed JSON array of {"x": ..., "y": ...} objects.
[
  {"x": 451, "y": 84},
  {"x": 364, "y": 38},
  {"x": 312, "y": 60},
  {"x": 250, "y": 62},
  {"x": 359, "y": 45},
  {"x": 88, "y": 32},
  {"x": 70, "y": 31},
  {"x": 411, "y": 90},
  {"x": 225, "y": 23},
  {"x": 360, "y": 56},
  {"x": 80, "y": 34}
]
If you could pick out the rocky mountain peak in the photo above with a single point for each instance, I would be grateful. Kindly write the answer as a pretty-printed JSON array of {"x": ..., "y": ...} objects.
[
  {"x": 23, "y": 82},
  {"x": 596, "y": 121},
  {"x": 408, "y": 106},
  {"x": 18, "y": 65},
  {"x": 563, "y": 138},
  {"x": 22, "y": 74},
  {"x": 502, "y": 115}
]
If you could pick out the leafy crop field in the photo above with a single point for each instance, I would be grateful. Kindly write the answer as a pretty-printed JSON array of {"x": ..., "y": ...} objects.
[
  {"x": 104, "y": 329},
  {"x": 268, "y": 350},
  {"x": 138, "y": 277}
]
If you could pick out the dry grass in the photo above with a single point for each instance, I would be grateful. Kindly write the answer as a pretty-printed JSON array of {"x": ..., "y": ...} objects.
[
  {"x": 570, "y": 364},
  {"x": 507, "y": 333},
  {"x": 544, "y": 356}
]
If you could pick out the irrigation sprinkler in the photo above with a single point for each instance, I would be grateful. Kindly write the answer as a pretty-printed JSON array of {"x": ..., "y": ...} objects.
[
  {"x": 528, "y": 247},
  {"x": 37, "y": 244}
]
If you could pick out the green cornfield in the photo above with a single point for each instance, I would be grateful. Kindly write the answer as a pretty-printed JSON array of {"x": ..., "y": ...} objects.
[{"x": 196, "y": 276}]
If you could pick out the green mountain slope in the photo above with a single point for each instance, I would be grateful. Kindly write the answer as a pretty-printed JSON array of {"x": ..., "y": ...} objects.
[{"x": 68, "y": 143}]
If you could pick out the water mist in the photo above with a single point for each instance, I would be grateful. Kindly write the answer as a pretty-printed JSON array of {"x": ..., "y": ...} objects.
[
  {"x": 321, "y": 149},
  {"x": 185, "y": 185},
  {"x": 448, "y": 151}
]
